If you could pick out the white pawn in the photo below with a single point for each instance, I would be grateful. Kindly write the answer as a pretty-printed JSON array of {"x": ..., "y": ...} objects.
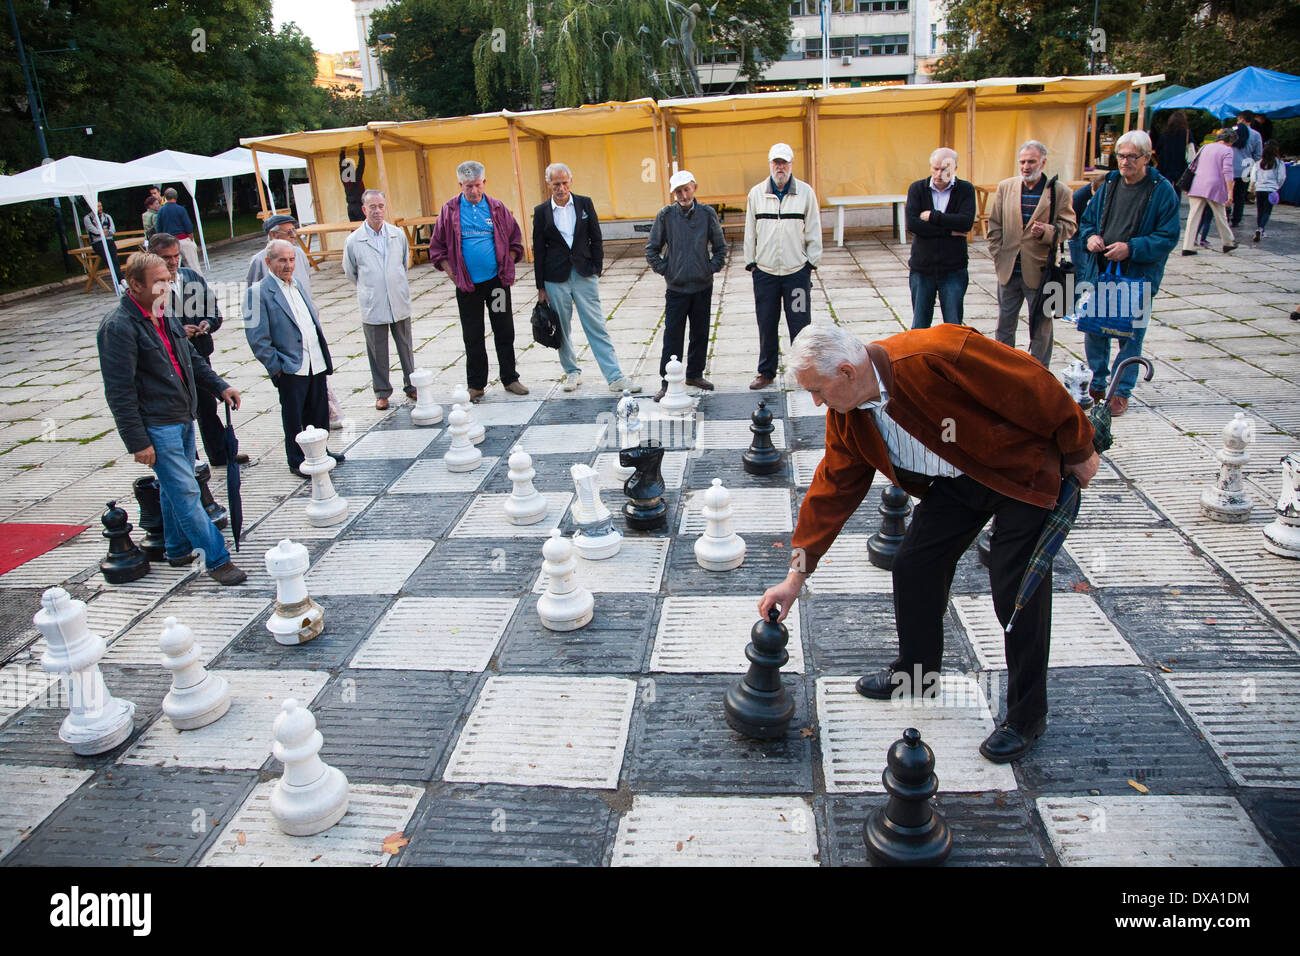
[
  {"x": 526, "y": 505},
  {"x": 197, "y": 698},
  {"x": 97, "y": 721},
  {"x": 460, "y": 396},
  {"x": 426, "y": 410},
  {"x": 596, "y": 538},
  {"x": 565, "y": 605},
  {"x": 462, "y": 455},
  {"x": 720, "y": 549},
  {"x": 1227, "y": 501},
  {"x": 677, "y": 401},
  {"x": 311, "y": 796},
  {"x": 326, "y": 507},
  {"x": 297, "y": 618}
]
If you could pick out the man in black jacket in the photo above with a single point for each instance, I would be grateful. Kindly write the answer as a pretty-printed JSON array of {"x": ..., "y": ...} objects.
[
  {"x": 151, "y": 379},
  {"x": 940, "y": 212},
  {"x": 194, "y": 305},
  {"x": 566, "y": 242}
]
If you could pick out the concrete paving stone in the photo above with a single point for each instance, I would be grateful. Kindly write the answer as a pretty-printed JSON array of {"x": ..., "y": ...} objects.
[
  {"x": 503, "y": 567},
  {"x": 392, "y": 517},
  {"x": 855, "y": 635},
  {"x": 361, "y": 478},
  {"x": 138, "y": 816},
  {"x": 716, "y": 831},
  {"x": 367, "y": 565},
  {"x": 767, "y": 559},
  {"x": 705, "y": 634},
  {"x": 638, "y": 567},
  {"x": 729, "y": 465},
  {"x": 988, "y": 829},
  {"x": 615, "y": 642},
  {"x": 485, "y": 517},
  {"x": 28, "y": 795},
  {"x": 442, "y": 634},
  {"x": 496, "y": 825},
  {"x": 214, "y": 627},
  {"x": 348, "y": 619},
  {"x": 552, "y": 476},
  {"x": 1276, "y": 814}
]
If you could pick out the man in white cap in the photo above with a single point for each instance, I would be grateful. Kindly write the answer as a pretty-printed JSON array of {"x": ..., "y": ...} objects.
[
  {"x": 693, "y": 235},
  {"x": 783, "y": 244}
]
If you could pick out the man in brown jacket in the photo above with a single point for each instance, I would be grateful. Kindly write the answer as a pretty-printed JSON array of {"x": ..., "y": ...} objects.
[
  {"x": 972, "y": 428},
  {"x": 1021, "y": 236}
]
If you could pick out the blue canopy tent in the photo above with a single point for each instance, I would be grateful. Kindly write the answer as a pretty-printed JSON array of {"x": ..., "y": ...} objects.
[
  {"x": 1276, "y": 95},
  {"x": 1114, "y": 105}
]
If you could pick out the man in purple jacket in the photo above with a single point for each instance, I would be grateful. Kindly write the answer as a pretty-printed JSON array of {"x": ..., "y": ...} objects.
[{"x": 477, "y": 242}]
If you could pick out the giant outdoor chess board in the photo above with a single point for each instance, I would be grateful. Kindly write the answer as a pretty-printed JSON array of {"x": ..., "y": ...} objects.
[{"x": 482, "y": 737}]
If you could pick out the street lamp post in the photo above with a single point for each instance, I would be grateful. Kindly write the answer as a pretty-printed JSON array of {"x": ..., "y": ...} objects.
[{"x": 379, "y": 51}]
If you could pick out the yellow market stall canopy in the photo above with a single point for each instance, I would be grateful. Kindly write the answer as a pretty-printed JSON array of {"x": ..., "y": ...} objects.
[{"x": 866, "y": 140}]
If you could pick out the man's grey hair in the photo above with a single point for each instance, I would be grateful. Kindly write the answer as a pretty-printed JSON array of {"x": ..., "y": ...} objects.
[
  {"x": 824, "y": 348},
  {"x": 371, "y": 192},
  {"x": 1032, "y": 144},
  {"x": 558, "y": 168},
  {"x": 274, "y": 246},
  {"x": 942, "y": 153},
  {"x": 163, "y": 240},
  {"x": 470, "y": 170},
  {"x": 1137, "y": 138}
]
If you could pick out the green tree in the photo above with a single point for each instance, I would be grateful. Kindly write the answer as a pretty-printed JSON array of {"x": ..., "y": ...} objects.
[{"x": 431, "y": 58}]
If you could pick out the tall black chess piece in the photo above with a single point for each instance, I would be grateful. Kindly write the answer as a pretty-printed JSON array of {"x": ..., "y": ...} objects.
[
  {"x": 216, "y": 513},
  {"x": 125, "y": 562},
  {"x": 762, "y": 458},
  {"x": 882, "y": 547},
  {"x": 646, "y": 511},
  {"x": 758, "y": 705},
  {"x": 149, "y": 498},
  {"x": 907, "y": 831}
]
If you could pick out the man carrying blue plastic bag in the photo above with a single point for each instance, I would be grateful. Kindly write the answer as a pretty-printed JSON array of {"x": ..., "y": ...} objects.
[{"x": 1132, "y": 221}]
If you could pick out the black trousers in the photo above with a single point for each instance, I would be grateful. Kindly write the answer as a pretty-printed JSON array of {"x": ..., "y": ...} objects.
[
  {"x": 681, "y": 308},
  {"x": 943, "y": 526},
  {"x": 211, "y": 428},
  {"x": 302, "y": 403},
  {"x": 770, "y": 293},
  {"x": 495, "y": 297},
  {"x": 1240, "y": 196}
]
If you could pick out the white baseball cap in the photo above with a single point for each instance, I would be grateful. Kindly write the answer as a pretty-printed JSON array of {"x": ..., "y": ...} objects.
[
  {"x": 679, "y": 179},
  {"x": 780, "y": 151}
]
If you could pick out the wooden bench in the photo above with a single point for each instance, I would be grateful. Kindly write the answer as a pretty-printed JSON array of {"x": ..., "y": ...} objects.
[
  {"x": 91, "y": 256},
  {"x": 840, "y": 203},
  {"x": 323, "y": 229}
]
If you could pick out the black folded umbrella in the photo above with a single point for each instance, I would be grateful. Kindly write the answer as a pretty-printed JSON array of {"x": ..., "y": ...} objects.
[{"x": 233, "y": 502}]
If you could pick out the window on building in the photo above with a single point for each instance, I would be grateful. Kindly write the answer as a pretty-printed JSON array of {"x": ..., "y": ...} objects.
[
  {"x": 886, "y": 45},
  {"x": 881, "y": 6},
  {"x": 812, "y": 48},
  {"x": 843, "y": 46}
]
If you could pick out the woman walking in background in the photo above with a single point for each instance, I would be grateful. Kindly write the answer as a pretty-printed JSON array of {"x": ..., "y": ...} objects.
[
  {"x": 1172, "y": 149},
  {"x": 1267, "y": 176},
  {"x": 1212, "y": 185}
]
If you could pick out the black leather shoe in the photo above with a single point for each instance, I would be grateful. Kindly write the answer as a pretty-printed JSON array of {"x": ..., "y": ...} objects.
[
  {"x": 877, "y": 686},
  {"x": 1007, "y": 743},
  {"x": 182, "y": 562},
  {"x": 338, "y": 456}
]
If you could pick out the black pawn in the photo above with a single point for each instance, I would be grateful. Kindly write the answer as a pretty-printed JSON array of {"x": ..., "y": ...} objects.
[
  {"x": 758, "y": 705},
  {"x": 646, "y": 510},
  {"x": 216, "y": 513},
  {"x": 762, "y": 458},
  {"x": 151, "y": 520},
  {"x": 984, "y": 545},
  {"x": 883, "y": 546},
  {"x": 907, "y": 831},
  {"x": 125, "y": 562}
]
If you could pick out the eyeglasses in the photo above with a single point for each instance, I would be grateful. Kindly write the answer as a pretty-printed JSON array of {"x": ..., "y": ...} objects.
[{"x": 1129, "y": 157}]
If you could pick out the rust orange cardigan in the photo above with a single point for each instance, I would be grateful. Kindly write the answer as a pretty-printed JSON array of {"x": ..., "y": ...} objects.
[{"x": 992, "y": 411}]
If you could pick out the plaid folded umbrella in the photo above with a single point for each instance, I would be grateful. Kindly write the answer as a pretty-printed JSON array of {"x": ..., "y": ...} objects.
[
  {"x": 1063, "y": 516},
  {"x": 234, "y": 504}
]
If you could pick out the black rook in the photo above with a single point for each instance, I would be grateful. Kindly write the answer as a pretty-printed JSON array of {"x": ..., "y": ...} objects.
[{"x": 151, "y": 520}]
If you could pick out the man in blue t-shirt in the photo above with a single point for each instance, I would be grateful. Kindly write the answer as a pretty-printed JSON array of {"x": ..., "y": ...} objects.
[{"x": 174, "y": 220}]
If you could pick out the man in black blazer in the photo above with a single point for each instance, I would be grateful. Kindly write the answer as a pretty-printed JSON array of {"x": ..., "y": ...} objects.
[
  {"x": 566, "y": 242},
  {"x": 940, "y": 212},
  {"x": 283, "y": 330}
]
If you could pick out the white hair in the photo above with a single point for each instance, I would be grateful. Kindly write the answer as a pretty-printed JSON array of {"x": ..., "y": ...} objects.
[
  {"x": 1138, "y": 138},
  {"x": 1032, "y": 144},
  {"x": 824, "y": 348},
  {"x": 469, "y": 171},
  {"x": 558, "y": 168},
  {"x": 371, "y": 192},
  {"x": 274, "y": 245},
  {"x": 942, "y": 153}
]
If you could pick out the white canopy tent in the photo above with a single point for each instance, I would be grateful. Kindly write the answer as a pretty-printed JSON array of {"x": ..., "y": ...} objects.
[
  {"x": 79, "y": 176},
  {"x": 188, "y": 168},
  {"x": 266, "y": 162}
]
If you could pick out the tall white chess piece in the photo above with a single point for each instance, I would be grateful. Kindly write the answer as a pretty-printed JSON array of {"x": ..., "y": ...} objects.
[
  {"x": 326, "y": 507},
  {"x": 297, "y": 618},
  {"x": 426, "y": 411},
  {"x": 1228, "y": 501},
  {"x": 476, "y": 432},
  {"x": 1282, "y": 534}
]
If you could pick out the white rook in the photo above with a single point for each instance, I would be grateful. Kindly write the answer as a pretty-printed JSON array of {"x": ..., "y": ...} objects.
[
  {"x": 97, "y": 721},
  {"x": 526, "y": 505},
  {"x": 677, "y": 401},
  {"x": 426, "y": 411},
  {"x": 1228, "y": 501},
  {"x": 1282, "y": 534},
  {"x": 311, "y": 796},
  {"x": 565, "y": 605},
  {"x": 196, "y": 698},
  {"x": 460, "y": 396},
  {"x": 720, "y": 548},
  {"x": 462, "y": 455},
  {"x": 326, "y": 507},
  {"x": 297, "y": 618}
]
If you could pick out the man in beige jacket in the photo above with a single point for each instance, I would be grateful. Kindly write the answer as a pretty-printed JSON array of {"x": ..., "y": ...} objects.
[{"x": 1021, "y": 236}]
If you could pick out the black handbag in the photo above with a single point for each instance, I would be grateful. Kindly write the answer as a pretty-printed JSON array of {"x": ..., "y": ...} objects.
[
  {"x": 1054, "y": 269},
  {"x": 1189, "y": 174},
  {"x": 546, "y": 326}
]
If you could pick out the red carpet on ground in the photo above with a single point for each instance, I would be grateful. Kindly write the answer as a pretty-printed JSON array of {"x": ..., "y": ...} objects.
[{"x": 19, "y": 543}]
